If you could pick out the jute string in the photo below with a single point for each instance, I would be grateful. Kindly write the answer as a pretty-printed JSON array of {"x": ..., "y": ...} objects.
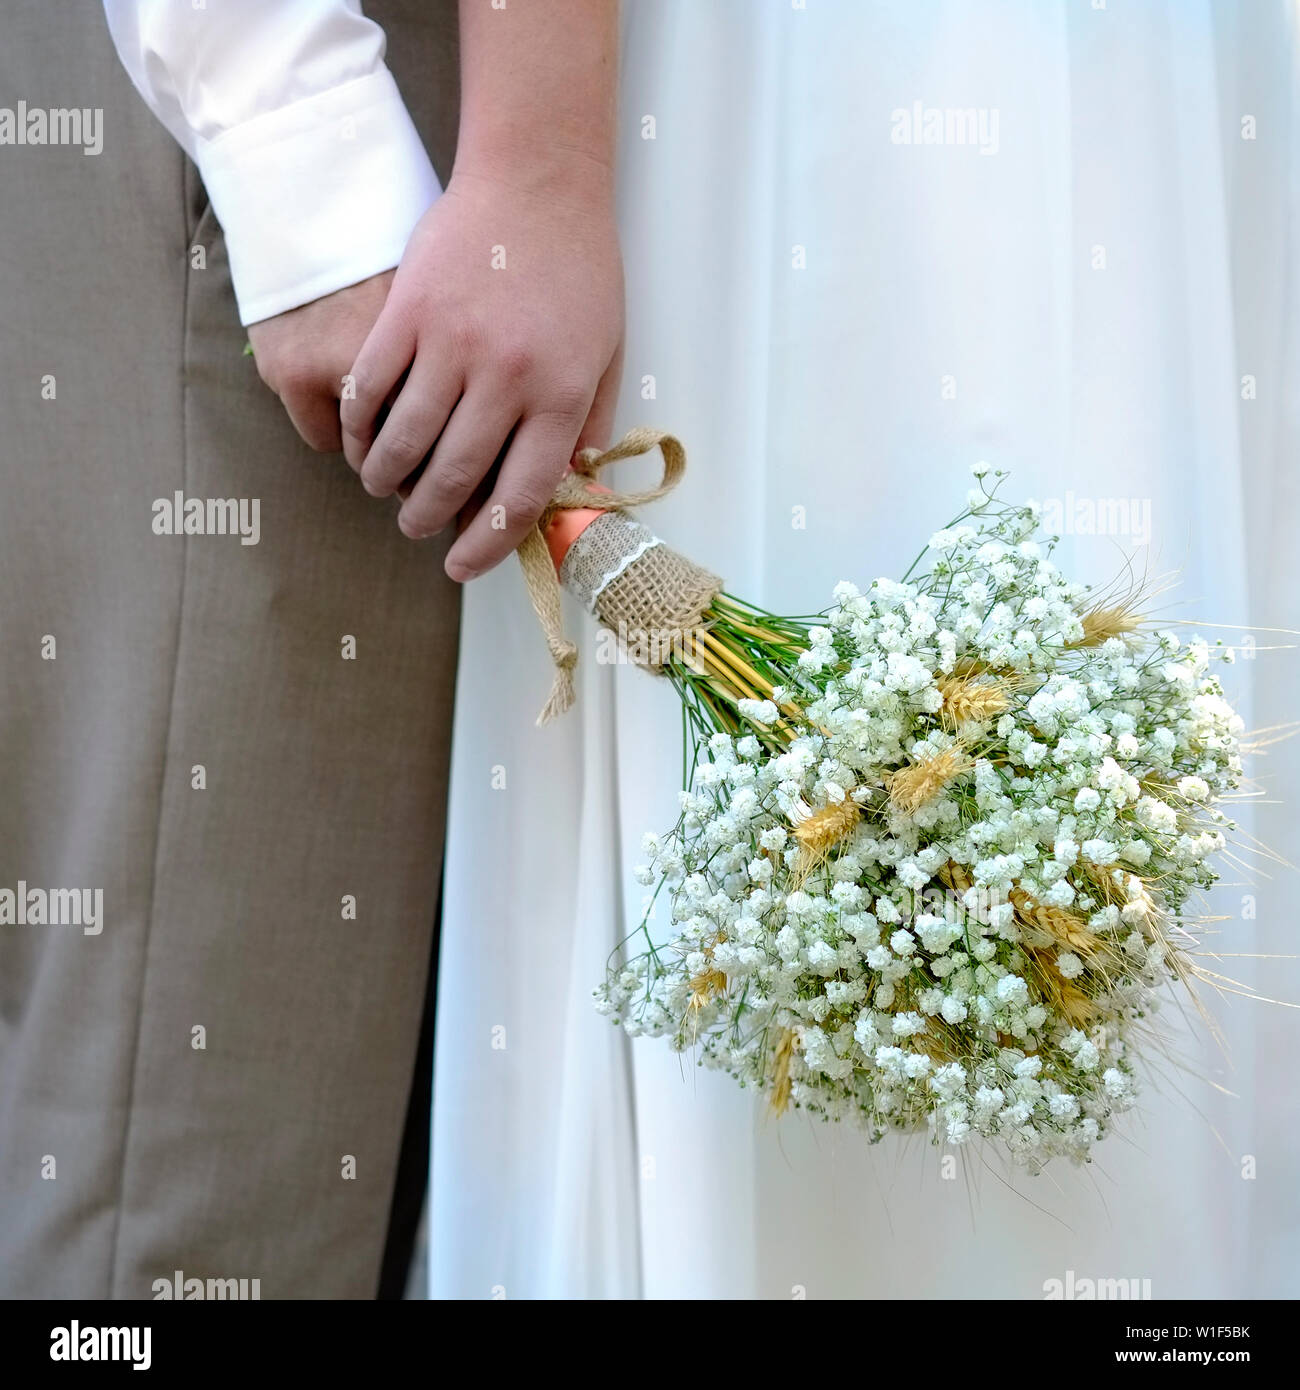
[{"x": 574, "y": 493}]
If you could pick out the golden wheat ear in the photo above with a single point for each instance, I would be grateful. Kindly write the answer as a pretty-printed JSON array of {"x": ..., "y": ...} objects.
[
  {"x": 916, "y": 784},
  {"x": 780, "y": 1098},
  {"x": 818, "y": 832},
  {"x": 1121, "y": 610},
  {"x": 1105, "y": 621},
  {"x": 973, "y": 697}
]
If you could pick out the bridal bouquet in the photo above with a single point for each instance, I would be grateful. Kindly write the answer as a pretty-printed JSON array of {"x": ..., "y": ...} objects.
[{"x": 937, "y": 846}]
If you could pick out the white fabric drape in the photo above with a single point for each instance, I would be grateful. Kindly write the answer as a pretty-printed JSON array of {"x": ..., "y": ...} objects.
[{"x": 837, "y": 325}]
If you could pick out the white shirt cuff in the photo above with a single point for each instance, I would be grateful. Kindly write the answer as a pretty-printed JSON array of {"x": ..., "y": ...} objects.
[{"x": 317, "y": 195}]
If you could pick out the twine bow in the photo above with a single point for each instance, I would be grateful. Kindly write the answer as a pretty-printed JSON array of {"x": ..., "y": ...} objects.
[{"x": 574, "y": 493}]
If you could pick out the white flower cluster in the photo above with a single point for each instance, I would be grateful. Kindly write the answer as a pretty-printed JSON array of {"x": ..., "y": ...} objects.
[{"x": 974, "y": 961}]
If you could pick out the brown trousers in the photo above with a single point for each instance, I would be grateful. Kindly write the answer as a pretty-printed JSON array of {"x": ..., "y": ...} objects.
[{"x": 215, "y": 1080}]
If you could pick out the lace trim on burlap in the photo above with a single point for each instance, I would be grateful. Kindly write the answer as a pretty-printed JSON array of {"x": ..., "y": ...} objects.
[{"x": 638, "y": 587}]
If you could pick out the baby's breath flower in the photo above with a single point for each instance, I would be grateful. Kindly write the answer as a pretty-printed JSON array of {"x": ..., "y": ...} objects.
[{"x": 972, "y": 961}]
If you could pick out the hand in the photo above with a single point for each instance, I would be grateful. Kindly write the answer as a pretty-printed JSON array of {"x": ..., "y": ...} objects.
[
  {"x": 303, "y": 354},
  {"x": 484, "y": 358}
]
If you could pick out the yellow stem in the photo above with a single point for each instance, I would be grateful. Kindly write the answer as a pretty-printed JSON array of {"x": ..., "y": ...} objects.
[
  {"x": 723, "y": 678},
  {"x": 736, "y": 663},
  {"x": 778, "y": 639}
]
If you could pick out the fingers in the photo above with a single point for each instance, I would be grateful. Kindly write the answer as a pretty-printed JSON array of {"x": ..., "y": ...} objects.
[
  {"x": 314, "y": 414},
  {"x": 384, "y": 356},
  {"x": 477, "y": 500},
  {"x": 538, "y": 456},
  {"x": 305, "y": 394},
  {"x": 416, "y": 419},
  {"x": 466, "y": 450},
  {"x": 599, "y": 428}
]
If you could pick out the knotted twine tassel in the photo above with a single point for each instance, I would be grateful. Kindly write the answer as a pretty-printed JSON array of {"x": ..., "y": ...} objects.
[
  {"x": 575, "y": 494},
  {"x": 544, "y": 590}
]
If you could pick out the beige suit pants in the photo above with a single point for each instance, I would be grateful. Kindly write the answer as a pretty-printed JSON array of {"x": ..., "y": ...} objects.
[{"x": 215, "y": 1081}]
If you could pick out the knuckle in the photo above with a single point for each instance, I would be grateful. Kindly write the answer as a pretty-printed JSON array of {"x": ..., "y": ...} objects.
[
  {"x": 412, "y": 523},
  {"x": 523, "y": 502},
  {"x": 516, "y": 361},
  {"x": 296, "y": 381},
  {"x": 400, "y": 447},
  {"x": 568, "y": 399},
  {"x": 455, "y": 476}
]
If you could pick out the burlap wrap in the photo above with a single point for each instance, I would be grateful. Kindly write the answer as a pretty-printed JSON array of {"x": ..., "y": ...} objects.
[{"x": 649, "y": 596}]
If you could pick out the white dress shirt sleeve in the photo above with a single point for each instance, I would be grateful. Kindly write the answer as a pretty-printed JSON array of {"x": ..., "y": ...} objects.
[{"x": 308, "y": 154}]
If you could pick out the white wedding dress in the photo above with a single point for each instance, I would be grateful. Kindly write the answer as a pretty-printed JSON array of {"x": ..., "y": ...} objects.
[{"x": 837, "y": 323}]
